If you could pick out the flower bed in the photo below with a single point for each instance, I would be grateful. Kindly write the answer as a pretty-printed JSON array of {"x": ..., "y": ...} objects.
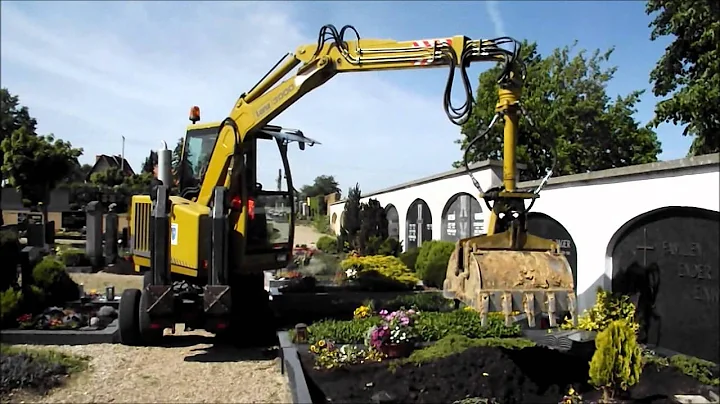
[{"x": 412, "y": 356}]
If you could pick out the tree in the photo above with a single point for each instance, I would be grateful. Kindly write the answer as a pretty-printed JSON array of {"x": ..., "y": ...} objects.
[
  {"x": 36, "y": 164},
  {"x": 177, "y": 154},
  {"x": 111, "y": 177},
  {"x": 351, "y": 221},
  {"x": 13, "y": 116},
  {"x": 565, "y": 97},
  {"x": 689, "y": 70},
  {"x": 150, "y": 161},
  {"x": 322, "y": 185}
]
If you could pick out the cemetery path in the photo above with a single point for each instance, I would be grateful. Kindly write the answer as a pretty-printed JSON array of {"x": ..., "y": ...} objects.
[
  {"x": 188, "y": 369},
  {"x": 306, "y": 235}
]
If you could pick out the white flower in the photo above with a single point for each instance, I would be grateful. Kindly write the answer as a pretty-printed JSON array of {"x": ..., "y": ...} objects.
[{"x": 350, "y": 273}]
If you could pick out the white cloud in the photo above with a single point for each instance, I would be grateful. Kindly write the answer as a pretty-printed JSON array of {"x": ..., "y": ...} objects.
[
  {"x": 493, "y": 10},
  {"x": 136, "y": 70}
]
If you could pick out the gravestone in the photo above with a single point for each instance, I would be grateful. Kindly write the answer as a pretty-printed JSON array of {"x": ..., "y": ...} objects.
[
  {"x": 35, "y": 230},
  {"x": 94, "y": 235},
  {"x": 393, "y": 218},
  {"x": 111, "y": 236},
  {"x": 462, "y": 218},
  {"x": 419, "y": 224},
  {"x": 668, "y": 262},
  {"x": 542, "y": 225}
]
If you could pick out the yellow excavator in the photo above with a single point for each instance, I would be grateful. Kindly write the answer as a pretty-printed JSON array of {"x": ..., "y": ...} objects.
[{"x": 204, "y": 250}]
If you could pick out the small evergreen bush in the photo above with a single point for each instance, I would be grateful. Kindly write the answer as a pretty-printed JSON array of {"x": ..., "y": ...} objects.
[
  {"x": 380, "y": 272},
  {"x": 617, "y": 362},
  {"x": 432, "y": 261},
  {"x": 409, "y": 258},
  {"x": 50, "y": 276},
  {"x": 327, "y": 244},
  {"x": 607, "y": 308},
  {"x": 10, "y": 300}
]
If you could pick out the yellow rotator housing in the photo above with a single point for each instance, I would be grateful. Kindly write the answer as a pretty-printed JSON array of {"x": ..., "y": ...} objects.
[{"x": 534, "y": 277}]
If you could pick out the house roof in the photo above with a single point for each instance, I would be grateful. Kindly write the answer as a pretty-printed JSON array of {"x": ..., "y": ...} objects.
[{"x": 112, "y": 161}]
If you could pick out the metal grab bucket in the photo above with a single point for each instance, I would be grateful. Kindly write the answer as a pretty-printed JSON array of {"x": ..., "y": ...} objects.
[{"x": 497, "y": 280}]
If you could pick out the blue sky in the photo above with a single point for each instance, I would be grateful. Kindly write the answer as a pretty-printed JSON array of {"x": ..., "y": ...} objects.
[{"x": 91, "y": 72}]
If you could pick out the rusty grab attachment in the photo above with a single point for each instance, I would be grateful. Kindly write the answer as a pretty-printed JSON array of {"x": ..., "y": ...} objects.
[{"x": 534, "y": 277}]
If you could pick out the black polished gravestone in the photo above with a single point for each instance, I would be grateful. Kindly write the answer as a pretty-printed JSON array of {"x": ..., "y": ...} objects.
[
  {"x": 393, "y": 218},
  {"x": 542, "y": 225},
  {"x": 419, "y": 224},
  {"x": 667, "y": 261},
  {"x": 462, "y": 218}
]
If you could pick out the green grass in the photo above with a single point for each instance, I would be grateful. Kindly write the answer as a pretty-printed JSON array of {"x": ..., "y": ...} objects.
[
  {"x": 73, "y": 363},
  {"x": 454, "y": 344},
  {"x": 703, "y": 371}
]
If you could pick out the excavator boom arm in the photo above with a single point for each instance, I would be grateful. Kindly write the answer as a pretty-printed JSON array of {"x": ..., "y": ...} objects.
[{"x": 320, "y": 62}]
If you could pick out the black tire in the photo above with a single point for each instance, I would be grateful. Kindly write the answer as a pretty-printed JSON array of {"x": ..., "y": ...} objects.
[
  {"x": 151, "y": 336},
  {"x": 128, "y": 322}
]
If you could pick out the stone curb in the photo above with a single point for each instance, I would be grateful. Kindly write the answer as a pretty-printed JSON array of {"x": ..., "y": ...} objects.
[
  {"x": 108, "y": 335},
  {"x": 290, "y": 365}
]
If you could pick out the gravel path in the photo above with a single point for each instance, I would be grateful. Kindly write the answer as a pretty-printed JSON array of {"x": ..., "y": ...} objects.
[
  {"x": 306, "y": 235},
  {"x": 188, "y": 370}
]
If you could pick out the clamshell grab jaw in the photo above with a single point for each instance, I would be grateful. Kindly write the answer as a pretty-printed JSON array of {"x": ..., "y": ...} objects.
[{"x": 506, "y": 273}]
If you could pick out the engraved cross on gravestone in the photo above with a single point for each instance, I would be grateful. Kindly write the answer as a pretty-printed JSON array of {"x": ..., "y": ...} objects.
[{"x": 645, "y": 248}]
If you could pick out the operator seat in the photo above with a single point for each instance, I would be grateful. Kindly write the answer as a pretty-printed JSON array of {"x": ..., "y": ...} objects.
[{"x": 258, "y": 237}]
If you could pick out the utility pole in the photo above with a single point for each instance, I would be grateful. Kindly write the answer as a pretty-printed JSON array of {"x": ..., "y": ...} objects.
[{"x": 122, "y": 156}]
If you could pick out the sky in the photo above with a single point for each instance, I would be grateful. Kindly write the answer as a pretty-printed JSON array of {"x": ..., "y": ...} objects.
[{"x": 92, "y": 72}]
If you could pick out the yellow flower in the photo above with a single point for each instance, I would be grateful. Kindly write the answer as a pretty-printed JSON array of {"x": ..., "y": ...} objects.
[
  {"x": 321, "y": 343},
  {"x": 571, "y": 391},
  {"x": 313, "y": 349}
]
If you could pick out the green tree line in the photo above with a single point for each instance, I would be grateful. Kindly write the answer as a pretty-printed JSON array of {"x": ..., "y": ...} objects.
[{"x": 565, "y": 95}]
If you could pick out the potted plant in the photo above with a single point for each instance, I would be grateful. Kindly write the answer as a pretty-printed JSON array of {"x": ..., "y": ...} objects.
[{"x": 395, "y": 336}]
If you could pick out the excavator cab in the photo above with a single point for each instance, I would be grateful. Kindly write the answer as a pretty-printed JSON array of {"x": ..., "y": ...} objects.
[{"x": 271, "y": 213}]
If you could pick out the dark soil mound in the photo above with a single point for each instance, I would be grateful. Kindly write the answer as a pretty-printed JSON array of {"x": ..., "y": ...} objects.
[
  {"x": 534, "y": 375},
  {"x": 24, "y": 371},
  {"x": 530, "y": 375}
]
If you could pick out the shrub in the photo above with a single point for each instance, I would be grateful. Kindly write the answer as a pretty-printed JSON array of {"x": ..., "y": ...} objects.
[
  {"x": 435, "y": 326},
  {"x": 428, "y": 301},
  {"x": 607, "y": 308},
  {"x": 429, "y": 327},
  {"x": 432, "y": 261},
  {"x": 10, "y": 300},
  {"x": 51, "y": 277},
  {"x": 341, "y": 332},
  {"x": 36, "y": 369},
  {"x": 390, "y": 246},
  {"x": 321, "y": 223},
  {"x": 327, "y": 244},
  {"x": 705, "y": 372},
  {"x": 10, "y": 252},
  {"x": 380, "y": 272},
  {"x": 453, "y": 343},
  {"x": 617, "y": 362},
  {"x": 73, "y": 257},
  {"x": 409, "y": 258}
]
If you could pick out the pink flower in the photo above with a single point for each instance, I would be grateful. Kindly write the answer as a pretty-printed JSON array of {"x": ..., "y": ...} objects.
[{"x": 383, "y": 312}]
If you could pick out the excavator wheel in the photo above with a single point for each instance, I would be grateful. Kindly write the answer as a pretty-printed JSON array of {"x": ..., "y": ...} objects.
[
  {"x": 128, "y": 322},
  {"x": 489, "y": 276}
]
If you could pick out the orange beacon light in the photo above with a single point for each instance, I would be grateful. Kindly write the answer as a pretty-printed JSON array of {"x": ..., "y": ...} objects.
[{"x": 194, "y": 114}]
